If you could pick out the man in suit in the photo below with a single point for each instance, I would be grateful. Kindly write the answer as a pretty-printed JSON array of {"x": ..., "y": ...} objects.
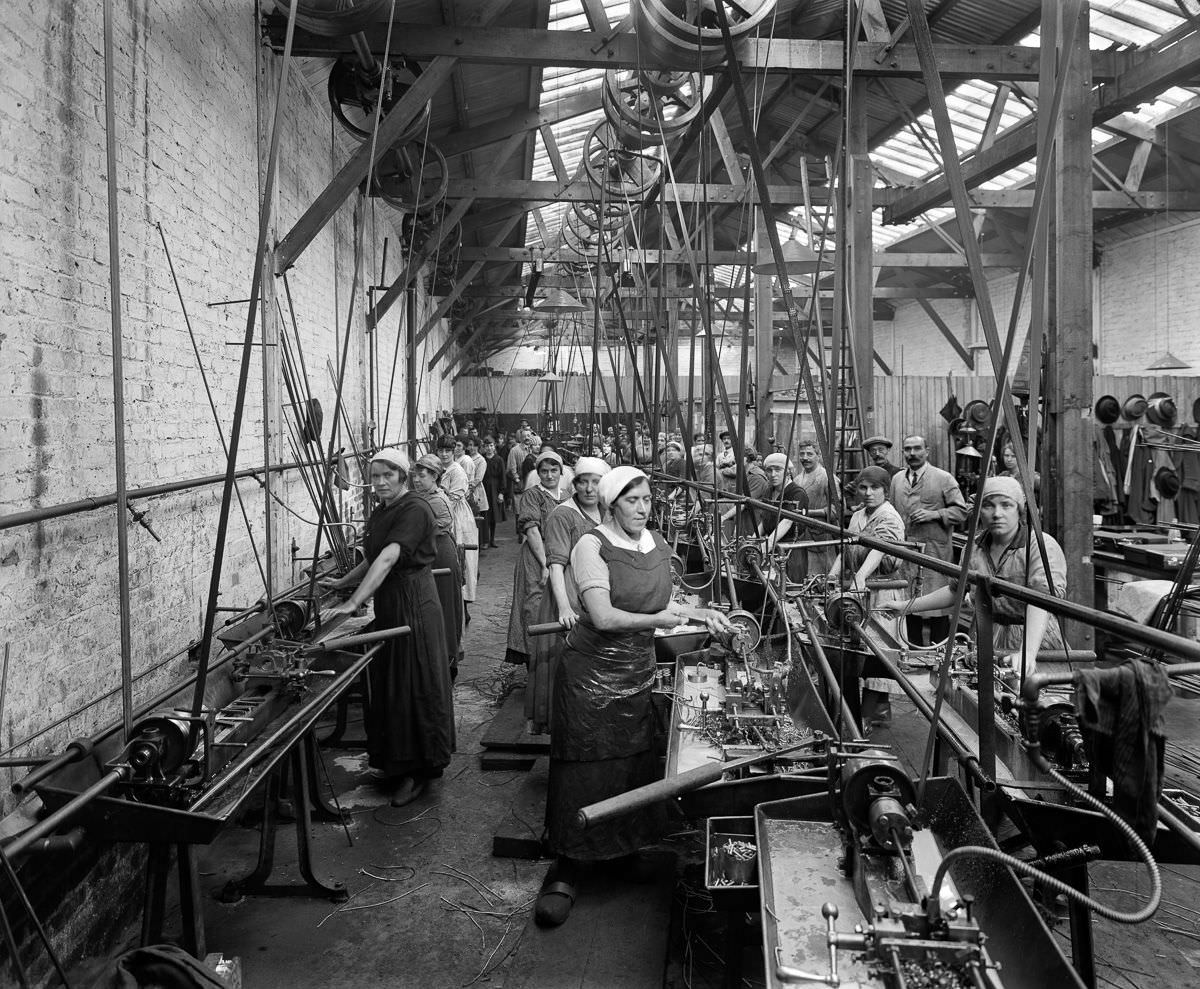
[{"x": 931, "y": 504}]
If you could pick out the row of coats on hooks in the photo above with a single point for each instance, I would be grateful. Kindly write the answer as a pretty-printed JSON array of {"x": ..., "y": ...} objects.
[{"x": 1148, "y": 473}]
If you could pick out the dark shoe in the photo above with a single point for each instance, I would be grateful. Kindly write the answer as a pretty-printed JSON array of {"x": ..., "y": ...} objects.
[
  {"x": 409, "y": 790},
  {"x": 556, "y": 897},
  {"x": 492, "y": 546}
]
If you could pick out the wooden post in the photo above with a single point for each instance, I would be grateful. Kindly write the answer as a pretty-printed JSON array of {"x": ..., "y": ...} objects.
[
  {"x": 1071, "y": 343},
  {"x": 859, "y": 263},
  {"x": 764, "y": 349}
]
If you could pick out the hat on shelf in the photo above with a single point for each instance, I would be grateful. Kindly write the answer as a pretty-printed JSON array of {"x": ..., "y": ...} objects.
[
  {"x": 1134, "y": 407},
  {"x": 978, "y": 413},
  {"x": 1161, "y": 410},
  {"x": 1108, "y": 409},
  {"x": 1167, "y": 482}
]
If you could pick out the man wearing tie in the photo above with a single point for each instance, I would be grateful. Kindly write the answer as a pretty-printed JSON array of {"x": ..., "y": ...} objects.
[{"x": 931, "y": 504}]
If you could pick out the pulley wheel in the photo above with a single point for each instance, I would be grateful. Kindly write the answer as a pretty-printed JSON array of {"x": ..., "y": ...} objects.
[
  {"x": 844, "y": 613},
  {"x": 335, "y": 18},
  {"x": 748, "y": 556},
  {"x": 684, "y": 32},
  {"x": 644, "y": 116},
  {"x": 290, "y": 618},
  {"x": 622, "y": 173},
  {"x": 354, "y": 91},
  {"x": 749, "y": 631},
  {"x": 412, "y": 177}
]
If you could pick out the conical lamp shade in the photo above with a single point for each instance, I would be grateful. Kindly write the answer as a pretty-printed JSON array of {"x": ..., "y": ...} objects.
[
  {"x": 1168, "y": 362},
  {"x": 797, "y": 260},
  {"x": 551, "y": 377},
  {"x": 560, "y": 301}
]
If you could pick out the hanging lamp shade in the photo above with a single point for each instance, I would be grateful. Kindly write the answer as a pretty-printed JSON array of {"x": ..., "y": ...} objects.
[
  {"x": 551, "y": 378},
  {"x": 1168, "y": 362},
  {"x": 797, "y": 260},
  {"x": 560, "y": 301}
]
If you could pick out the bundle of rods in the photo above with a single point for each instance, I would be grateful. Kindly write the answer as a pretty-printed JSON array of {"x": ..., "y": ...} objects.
[{"x": 304, "y": 440}]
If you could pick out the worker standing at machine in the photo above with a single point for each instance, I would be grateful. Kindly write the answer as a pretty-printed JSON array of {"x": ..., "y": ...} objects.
[
  {"x": 1004, "y": 549},
  {"x": 426, "y": 473},
  {"x": 457, "y": 486},
  {"x": 789, "y": 496},
  {"x": 931, "y": 504},
  {"x": 602, "y": 727},
  {"x": 410, "y": 720},
  {"x": 857, "y": 564},
  {"x": 532, "y": 569},
  {"x": 566, "y": 523}
]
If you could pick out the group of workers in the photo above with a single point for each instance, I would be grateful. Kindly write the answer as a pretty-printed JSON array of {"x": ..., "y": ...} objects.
[{"x": 588, "y": 562}]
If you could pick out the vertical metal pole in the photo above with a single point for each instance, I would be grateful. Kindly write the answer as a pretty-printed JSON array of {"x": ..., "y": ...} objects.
[
  {"x": 118, "y": 373},
  {"x": 410, "y": 371},
  {"x": 764, "y": 336},
  {"x": 860, "y": 267},
  {"x": 985, "y": 664}
]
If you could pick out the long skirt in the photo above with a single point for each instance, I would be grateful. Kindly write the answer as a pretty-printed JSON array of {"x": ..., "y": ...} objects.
[
  {"x": 451, "y": 594},
  {"x": 544, "y": 654},
  {"x": 410, "y": 717},
  {"x": 575, "y": 783},
  {"x": 528, "y": 588}
]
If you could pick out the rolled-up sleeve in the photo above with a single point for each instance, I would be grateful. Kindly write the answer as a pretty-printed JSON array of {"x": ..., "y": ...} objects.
[{"x": 588, "y": 569}]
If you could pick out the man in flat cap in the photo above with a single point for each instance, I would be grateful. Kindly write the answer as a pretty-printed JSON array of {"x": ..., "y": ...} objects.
[{"x": 877, "y": 448}]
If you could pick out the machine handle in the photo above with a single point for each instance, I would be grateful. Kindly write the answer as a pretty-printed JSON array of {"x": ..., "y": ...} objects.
[
  {"x": 544, "y": 628},
  {"x": 665, "y": 789},
  {"x": 367, "y": 638}
]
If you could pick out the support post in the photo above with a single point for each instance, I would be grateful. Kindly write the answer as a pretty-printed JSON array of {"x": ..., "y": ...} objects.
[
  {"x": 764, "y": 350},
  {"x": 1071, "y": 342},
  {"x": 859, "y": 264}
]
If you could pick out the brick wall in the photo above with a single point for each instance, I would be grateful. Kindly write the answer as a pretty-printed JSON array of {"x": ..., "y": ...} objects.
[{"x": 193, "y": 100}]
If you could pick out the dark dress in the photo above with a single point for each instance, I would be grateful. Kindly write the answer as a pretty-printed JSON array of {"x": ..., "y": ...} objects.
[
  {"x": 562, "y": 531},
  {"x": 602, "y": 722},
  {"x": 528, "y": 586},
  {"x": 410, "y": 717},
  {"x": 493, "y": 484},
  {"x": 449, "y": 586}
]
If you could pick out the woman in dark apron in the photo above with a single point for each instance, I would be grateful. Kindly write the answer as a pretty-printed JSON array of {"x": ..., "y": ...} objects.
[
  {"x": 602, "y": 724},
  {"x": 426, "y": 473}
]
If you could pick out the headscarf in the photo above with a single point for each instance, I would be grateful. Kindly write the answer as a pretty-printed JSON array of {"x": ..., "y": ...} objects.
[
  {"x": 547, "y": 455},
  {"x": 616, "y": 481},
  {"x": 874, "y": 476},
  {"x": 1010, "y": 487},
  {"x": 591, "y": 465},
  {"x": 778, "y": 460},
  {"x": 432, "y": 463},
  {"x": 393, "y": 456}
]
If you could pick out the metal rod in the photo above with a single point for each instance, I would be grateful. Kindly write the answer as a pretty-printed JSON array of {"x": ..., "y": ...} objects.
[
  {"x": 76, "y": 749},
  {"x": 239, "y": 405},
  {"x": 48, "y": 825},
  {"x": 118, "y": 371}
]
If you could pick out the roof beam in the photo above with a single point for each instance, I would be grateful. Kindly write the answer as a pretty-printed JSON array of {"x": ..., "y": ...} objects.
[
  {"x": 1151, "y": 74},
  {"x": 881, "y": 259},
  {"x": 596, "y": 50},
  {"x": 581, "y": 190}
]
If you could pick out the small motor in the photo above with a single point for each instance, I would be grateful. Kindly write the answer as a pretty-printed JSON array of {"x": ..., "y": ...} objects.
[
  {"x": 159, "y": 745},
  {"x": 845, "y": 612}
]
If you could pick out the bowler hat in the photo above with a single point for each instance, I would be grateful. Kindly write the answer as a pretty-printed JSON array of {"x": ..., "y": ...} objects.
[
  {"x": 1161, "y": 410},
  {"x": 1167, "y": 482},
  {"x": 1134, "y": 407},
  {"x": 1108, "y": 409},
  {"x": 978, "y": 413},
  {"x": 871, "y": 441}
]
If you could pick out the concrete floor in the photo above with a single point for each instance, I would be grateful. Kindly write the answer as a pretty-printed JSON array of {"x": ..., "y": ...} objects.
[{"x": 406, "y": 869}]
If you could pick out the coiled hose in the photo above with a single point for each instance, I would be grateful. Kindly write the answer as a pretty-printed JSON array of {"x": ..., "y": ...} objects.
[{"x": 1111, "y": 913}]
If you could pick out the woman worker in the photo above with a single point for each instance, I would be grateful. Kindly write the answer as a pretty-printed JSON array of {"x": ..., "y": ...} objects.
[
  {"x": 566, "y": 523},
  {"x": 410, "y": 719},
  {"x": 602, "y": 725},
  {"x": 532, "y": 567},
  {"x": 877, "y": 517},
  {"x": 426, "y": 473},
  {"x": 789, "y": 496},
  {"x": 457, "y": 486},
  {"x": 1004, "y": 549}
]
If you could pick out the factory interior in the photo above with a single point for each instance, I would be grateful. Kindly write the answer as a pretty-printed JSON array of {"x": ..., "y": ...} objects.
[{"x": 600, "y": 494}]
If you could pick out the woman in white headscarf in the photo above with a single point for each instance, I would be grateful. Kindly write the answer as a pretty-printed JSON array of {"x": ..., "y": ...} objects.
[
  {"x": 532, "y": 568},
  {"x": 410, "y": 719},
  {"x": 566, "y": 523},
  {"x": 602, "y": 723},
  {"x": 1004, "y": 549}
]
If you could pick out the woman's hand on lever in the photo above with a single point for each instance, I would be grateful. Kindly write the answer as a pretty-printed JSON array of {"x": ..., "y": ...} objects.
[
  {"x": 893, "y": 609},
  {"x": 567, "y": 617},
  {"x": 717, "y": 621},
  {"x": 347, "y": 607}
]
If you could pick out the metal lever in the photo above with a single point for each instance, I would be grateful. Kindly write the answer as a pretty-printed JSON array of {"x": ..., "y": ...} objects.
[{"x": 785, "y": 973}]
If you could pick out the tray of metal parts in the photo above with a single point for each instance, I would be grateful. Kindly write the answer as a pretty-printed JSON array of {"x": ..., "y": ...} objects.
[
  {"x": 731, "y": 863},
  {"x": 1115, "y": 536},
  {"x": 1184, "y": 805}
]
